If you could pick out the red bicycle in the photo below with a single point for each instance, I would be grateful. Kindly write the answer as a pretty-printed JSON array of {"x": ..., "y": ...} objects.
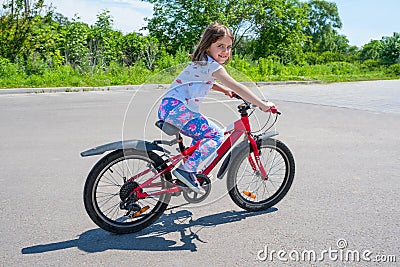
[{"x": 131, "y": 187}]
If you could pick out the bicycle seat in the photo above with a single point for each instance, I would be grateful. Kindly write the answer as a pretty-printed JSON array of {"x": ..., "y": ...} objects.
[{"x": 167, "y": 127}]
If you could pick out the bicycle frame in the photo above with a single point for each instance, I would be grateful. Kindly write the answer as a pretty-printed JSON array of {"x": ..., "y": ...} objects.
[{"x": 240, "y": 127}]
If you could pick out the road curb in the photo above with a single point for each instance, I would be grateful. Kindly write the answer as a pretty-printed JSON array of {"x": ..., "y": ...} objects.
[{"x": 124, "y": 87}]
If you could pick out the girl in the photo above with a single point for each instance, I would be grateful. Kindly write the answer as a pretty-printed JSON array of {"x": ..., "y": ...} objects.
[{"x": 180, "y": 105}]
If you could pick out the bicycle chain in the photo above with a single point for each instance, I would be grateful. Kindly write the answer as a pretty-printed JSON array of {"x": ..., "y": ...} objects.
[{"x": 178, "y": 206}]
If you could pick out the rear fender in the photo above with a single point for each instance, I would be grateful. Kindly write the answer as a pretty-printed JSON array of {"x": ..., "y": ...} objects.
[{"x": 140, "y": 145}]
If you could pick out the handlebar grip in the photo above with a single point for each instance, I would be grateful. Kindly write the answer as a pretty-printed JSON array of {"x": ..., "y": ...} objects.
[
  {"x": 274, "y": 110},
  {"x": 237, "y": 96}
]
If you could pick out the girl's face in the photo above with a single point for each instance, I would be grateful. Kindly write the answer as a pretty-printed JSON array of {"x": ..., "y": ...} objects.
[{"x": 221, "y": 49}]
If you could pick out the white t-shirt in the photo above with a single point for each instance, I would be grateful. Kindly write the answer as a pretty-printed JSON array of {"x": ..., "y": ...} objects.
[{"x": 194, "y": 83}]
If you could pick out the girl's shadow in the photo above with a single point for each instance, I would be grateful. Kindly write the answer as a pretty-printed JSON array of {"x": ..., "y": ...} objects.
[{"x": 151, "y": 238}]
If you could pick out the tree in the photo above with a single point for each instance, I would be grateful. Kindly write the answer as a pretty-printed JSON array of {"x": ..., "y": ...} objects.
[
  {"x": 371, "y": 50},
  {"x": 272, "y": 27},
  {"x": 42, "y": 41},
  {"x": 279, "y": 30},
  {"x": 104, "y": 42},
  {"x": 16, "y": 24},
  {"x": 74, "y": 42},
  {"x": 322, "y": 29},
  {"x": 391, "y": 49},
  {"x": 179, "y": 23},
  {"x": 131, "y": 44},
  {"x": 140, "y": 48},
  {"x": 386, "y": 50}
]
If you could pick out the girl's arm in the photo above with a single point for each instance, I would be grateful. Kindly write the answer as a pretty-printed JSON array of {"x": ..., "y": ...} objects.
[
  {"x": 220, "y": 88},
  {"x": 241, "y": 90}
]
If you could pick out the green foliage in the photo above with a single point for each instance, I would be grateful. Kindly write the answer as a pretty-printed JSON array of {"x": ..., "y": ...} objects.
[
  {"x": 279, "y": 28},
  {"x": 275, "y": 40},
  {"x": 391, "y": 49},
  {"x": 387, "y": 50},
  {"x": 177, "y": 23},
  {"x": 322, "y": 29},
  {"x": 393, "y": 70},
  {"x": 104, "y": 42},
  {"x": 371, "y": 64},
  {"x": 271, "y": 69},
  {"x": 16, "y": 25},
  {"x": 132, "y": 44},
  {"x": 371, "y": 51},
  {"x": 73, "y": 42},
  {"x": 243, "y": 69}
]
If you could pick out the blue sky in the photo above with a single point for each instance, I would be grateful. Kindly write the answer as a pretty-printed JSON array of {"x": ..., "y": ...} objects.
[{"x": 363, "y": 20}]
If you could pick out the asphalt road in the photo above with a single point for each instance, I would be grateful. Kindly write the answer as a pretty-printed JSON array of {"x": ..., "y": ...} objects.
[{"x": 343, "y": 203}]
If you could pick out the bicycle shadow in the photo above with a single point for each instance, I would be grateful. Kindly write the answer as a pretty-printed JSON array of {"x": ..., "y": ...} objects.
[{"x": 151, "y": 238}]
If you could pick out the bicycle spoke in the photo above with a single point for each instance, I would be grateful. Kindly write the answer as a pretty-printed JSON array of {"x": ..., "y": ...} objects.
[
  {"x": 109, "y": 184},
  {"x": 110, "y": 180},
  {"x": 250, "y": 181},
  {"x": 108, "y": 210},
  {"x": 104, "y": 201},
  {"x": 112, "y": 172}
]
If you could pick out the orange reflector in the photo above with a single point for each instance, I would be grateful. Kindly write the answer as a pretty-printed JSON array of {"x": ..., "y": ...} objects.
[
  {"x": 144, "y": 209},
  {"x": 141, "y": 211},
  {"x": 250, "y": 195}
]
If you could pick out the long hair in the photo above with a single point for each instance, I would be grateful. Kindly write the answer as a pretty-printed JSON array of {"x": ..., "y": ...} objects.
[{"x": 210, "y": 35}]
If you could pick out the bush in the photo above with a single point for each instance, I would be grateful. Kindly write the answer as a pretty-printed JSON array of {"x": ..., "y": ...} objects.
[
  {"x": 371, "y": 64},
  {"x": 8, "y": 69},
  {"x": 34, "y": 65},
  {"x": 393, "y": 70},
  {"x": 37, "y": 73},
  {"x": 340, "y": 68},
  {"x": 330, "y": 56},
  {"x": 311, "y": 58}
]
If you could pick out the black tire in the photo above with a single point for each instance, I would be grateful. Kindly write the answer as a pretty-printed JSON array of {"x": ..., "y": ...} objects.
[
  {"x": 103, "y": 188},
  {"x": 279, "y": 163}
]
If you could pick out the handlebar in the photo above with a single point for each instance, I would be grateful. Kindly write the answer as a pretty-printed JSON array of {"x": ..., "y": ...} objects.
[{"x": 273, "y": 109}]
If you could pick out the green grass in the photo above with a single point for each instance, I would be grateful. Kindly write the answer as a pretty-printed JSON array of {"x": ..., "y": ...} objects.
[{"x": 14, "y": 76}]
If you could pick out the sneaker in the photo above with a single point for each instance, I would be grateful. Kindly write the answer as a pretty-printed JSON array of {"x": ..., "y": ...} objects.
[{"x": 189, "y": 179}]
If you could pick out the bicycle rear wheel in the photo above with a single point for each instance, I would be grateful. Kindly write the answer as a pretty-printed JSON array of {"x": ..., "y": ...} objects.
[
  {"x": 248, "y": 189},
  {"x": 107, "y": 194}
]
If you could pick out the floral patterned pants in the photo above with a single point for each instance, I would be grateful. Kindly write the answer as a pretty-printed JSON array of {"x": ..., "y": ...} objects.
[{"x": 194, "y": 125}]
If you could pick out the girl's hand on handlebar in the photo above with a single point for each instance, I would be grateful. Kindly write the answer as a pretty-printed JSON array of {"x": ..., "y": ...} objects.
[
  {"x": 268, "y": 107},
  {"x": 229, "y": 93},
  {"x": 265, "y": 106}
]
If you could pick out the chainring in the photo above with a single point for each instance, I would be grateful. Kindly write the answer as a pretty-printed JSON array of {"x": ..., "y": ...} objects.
[{"x": 193, "y": 197}]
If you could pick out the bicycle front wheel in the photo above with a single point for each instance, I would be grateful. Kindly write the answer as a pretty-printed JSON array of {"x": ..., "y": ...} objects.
[{"x": 246, "y": 186}]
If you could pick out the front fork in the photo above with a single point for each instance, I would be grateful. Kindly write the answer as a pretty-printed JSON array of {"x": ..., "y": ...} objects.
[{"x": 255, "y": 162}]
